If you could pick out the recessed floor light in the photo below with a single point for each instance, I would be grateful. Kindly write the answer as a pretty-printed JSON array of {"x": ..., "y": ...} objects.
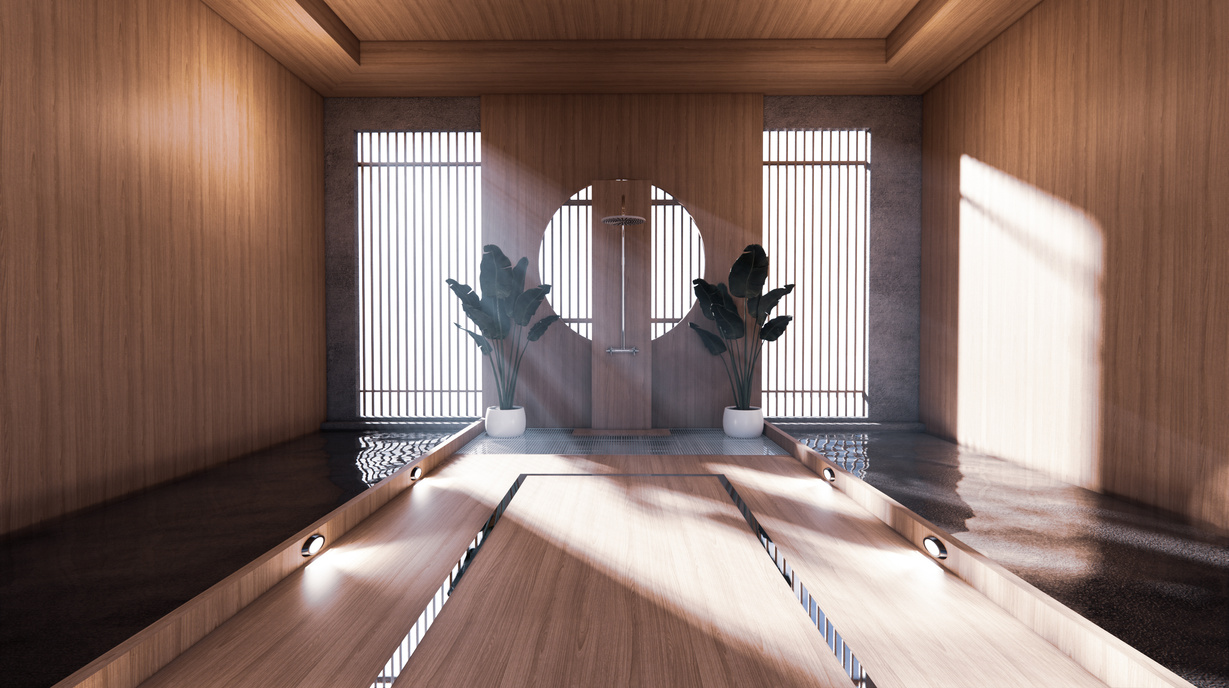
[
  {"x": 934, "y": 547},
  {"x": 416, "y": 473},
  {"x": 313, "y": 545},
  {"x": 829, "y": 474}
]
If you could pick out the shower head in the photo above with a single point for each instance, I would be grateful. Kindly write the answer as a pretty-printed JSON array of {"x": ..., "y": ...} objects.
[{"x": 623, "y": 220}]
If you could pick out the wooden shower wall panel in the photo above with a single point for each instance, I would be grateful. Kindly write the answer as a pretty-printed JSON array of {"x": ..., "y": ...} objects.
[
  {"x": 705, "y": 150},
  {"x": 1121, "y": 109},
  {"x": 622, "y": 383},
  {"x": 161, "y": 250}
]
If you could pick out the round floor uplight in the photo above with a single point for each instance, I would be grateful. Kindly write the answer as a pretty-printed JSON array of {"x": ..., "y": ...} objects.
[
  {"x": 934, "y": 547},
  {"x": 313, "y": 545}
]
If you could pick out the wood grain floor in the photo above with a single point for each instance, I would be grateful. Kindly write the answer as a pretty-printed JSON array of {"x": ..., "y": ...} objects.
[
  {"x": 674, "y": 592},
  {"x": 637, "y": 556}
]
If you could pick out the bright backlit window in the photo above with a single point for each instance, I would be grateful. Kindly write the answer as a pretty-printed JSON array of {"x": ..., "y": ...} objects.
[
  {"x": 566, "y": 260},
  {"x": 419, "y": 210},
  {"x": 816, "y": 229}
]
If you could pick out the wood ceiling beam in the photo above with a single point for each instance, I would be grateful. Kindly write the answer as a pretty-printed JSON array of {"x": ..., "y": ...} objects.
[
  {"x": 399, "y": 68},
  {"x": 311, "y": 40},
  {"x": 922, "y": 14},
  {"x": 938, "y": 35},
  {"x": 306, "y": 36},
  {"x": 332, "y": 24}
]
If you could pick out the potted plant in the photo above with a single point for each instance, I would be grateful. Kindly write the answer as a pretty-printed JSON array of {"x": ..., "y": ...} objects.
[
  {"x": 502, "y": 312},
  {"x": 741, "y": 311}
]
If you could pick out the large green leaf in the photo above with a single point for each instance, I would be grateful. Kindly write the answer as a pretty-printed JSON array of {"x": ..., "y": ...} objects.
[
  {"x": 487, "y": 323},
  {"x": 729, "y": 323},
  {"x": 727, "y": 299},
  {"x": 500, "y": 312},
  {"x": 464, "y": 292},
  {"x": 775, "y": 328},
  {"x": 711, "y": 341},
  {"x": 749, "y": 272},
  {"x": 761, "y": 306},
  {"x": 539, "y": 328},
  {"x": 483, "y": 343},
  {"x": 527, "y": 304},
  {"x": 495, "y": 273},
  {"x": 717, "y": 305},
  {"x": 708, "y": 295},
  {"x": 518, "y": 278}
]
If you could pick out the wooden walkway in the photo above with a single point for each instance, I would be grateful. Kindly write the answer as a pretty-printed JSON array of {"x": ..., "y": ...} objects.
[{"x": 622, "y": 580}]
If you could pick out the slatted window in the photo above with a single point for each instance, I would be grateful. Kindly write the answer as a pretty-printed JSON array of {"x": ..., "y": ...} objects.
[
  {"x": 816, "y": 230},
  {"x": 566, "y": 261},
  {"x": 419, "y": 206},
  {"x": 678, "y": 258}
]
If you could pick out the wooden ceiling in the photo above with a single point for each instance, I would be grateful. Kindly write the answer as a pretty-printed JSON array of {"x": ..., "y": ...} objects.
[
  {"x": 474, "y": 47},
  {"x": 613, "y": 20}
]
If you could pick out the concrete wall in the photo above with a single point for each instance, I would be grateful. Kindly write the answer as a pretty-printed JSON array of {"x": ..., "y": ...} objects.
[
  {"x": 343, "y": 117},
  {"x": 895, "y": 123}
]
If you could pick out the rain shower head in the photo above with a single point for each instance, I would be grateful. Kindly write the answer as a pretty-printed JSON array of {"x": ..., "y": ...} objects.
[{"x": 623, "y": 218}]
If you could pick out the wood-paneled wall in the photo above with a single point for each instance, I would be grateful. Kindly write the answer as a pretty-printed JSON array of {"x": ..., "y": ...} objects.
[
  {"x": 161, "y": 250},
  {"x": 705, "y": 150},
  {"x": 1119, "y": 108}
]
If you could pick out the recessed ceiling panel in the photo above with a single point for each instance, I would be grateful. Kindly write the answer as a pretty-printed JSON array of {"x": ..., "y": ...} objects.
[{"x": 481, "y": 20}]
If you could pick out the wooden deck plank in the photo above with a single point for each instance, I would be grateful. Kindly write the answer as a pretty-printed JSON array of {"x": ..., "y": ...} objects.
[
  {"x": 911, "y": 622},
  {"x": 335, "y": 622},
  {"x": 666, "y": 593}
]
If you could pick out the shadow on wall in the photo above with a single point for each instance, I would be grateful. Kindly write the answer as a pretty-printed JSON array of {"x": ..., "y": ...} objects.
[{"x": 1030, "y": 314}]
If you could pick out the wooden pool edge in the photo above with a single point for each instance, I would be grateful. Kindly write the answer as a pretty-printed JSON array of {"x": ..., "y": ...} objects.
[
  {"x": 1098, "y": 651},
  {"x": 141, "y": 656}
]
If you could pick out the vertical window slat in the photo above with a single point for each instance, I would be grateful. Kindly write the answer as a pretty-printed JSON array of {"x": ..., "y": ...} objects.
[
  {"x": 419, "y": 204},
  {"x": 816, "y": 228}
]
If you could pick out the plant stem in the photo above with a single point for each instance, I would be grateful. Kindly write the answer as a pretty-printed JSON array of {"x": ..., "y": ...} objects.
[
  {"x": 518, "y": 352},
  {"x": 730, "y": 377}
]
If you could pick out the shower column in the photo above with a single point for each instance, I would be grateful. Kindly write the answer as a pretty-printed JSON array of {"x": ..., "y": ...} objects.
[{"x": 622, "y": 259}]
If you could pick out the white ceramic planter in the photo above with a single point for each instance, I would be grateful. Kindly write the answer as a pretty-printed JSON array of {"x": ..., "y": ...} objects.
[
  {"x": 505, "y": 422},
  {"x": 743, "y": 423}
]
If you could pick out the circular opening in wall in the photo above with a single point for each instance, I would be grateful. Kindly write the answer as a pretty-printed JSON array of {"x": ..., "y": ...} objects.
[
  {"x": 565, "y": 260},
  {"x": 829, "y": 474},
  {"x": 312, "y": 545},
  {"x": 416, "y": 473},
  {"x": 934, "y": 547}
]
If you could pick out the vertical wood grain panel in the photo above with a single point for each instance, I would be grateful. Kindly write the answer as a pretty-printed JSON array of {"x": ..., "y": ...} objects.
[
  {"x": 1121, "y": 109},
  {"x": 161, "y": 250},
  {"x": 705, "y": 150},
  {"x": 622, "y": 383}
]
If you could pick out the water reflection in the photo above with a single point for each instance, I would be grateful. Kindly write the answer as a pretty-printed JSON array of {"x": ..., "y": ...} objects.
[{"x": 1156, "y": 582}]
